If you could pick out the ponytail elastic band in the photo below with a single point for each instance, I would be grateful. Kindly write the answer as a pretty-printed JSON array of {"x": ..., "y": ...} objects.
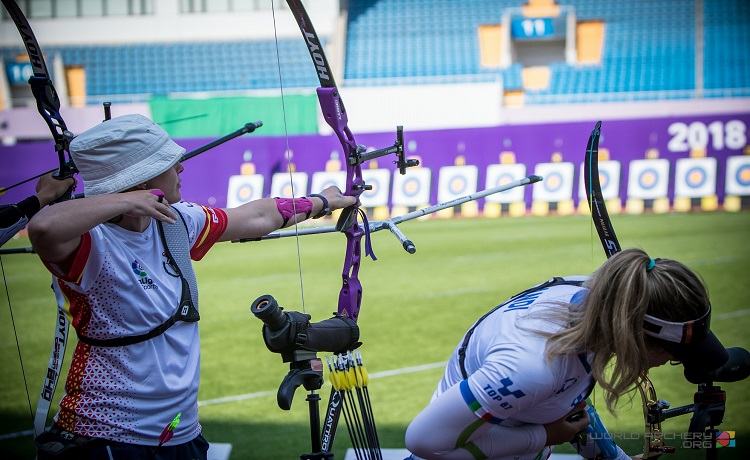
[{"x": 651, "y": 264}]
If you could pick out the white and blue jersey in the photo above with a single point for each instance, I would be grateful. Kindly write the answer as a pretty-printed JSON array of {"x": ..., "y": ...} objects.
[{"x": 500, "y": 374}]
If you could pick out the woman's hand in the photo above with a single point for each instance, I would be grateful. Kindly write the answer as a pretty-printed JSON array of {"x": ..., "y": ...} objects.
[
  {"x": 48, "y": 189},
  {"x": 336, "y": 199},
  {"x": 565, "y": 429},
  {"x": 149, "y": 203}
]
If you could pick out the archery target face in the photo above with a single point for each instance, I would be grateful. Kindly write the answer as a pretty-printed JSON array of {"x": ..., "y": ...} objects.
[
  {"x": 324, "y": 179},
  {"x": 412, "y": 189},
  {"x": 609, "y": 180},
  {"x": 498, "y": 175},
  {"x": 380, "y": 180},
  {"x": 243, "y": 189},
  {"x": 456, "y": 182},
  {"x": 557, "y": 184},
  {"x": 281, "y": 185},
  {"x": 695, "y": 177},
  {"x": 648, "y": 179},
  {"x": 738, "y": 175}
]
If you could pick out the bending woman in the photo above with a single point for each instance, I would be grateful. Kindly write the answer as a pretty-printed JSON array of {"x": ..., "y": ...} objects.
[{"x": 517, "y": 382}]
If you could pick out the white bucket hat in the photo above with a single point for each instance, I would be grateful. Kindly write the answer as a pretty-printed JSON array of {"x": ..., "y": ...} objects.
[{"x": 121, "y": 153}]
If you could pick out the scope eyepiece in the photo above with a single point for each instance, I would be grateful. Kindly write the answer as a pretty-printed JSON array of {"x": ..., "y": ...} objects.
[{"x": 266, "y": 309}]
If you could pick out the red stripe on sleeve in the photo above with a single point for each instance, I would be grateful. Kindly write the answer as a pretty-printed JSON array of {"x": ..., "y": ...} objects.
[
  {"x": 216, "y": 223},
  {"x": 80, "y": 256}
]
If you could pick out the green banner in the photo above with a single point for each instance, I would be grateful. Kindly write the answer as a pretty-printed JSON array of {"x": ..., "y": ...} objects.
[{"x": 215, "y": 117}]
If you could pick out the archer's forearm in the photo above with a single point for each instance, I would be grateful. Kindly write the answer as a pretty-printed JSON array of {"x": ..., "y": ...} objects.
[{"x": 55, "y": 231}]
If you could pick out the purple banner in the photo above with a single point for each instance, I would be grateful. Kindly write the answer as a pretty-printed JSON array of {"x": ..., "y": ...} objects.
[{"x": 206, "y": 176}]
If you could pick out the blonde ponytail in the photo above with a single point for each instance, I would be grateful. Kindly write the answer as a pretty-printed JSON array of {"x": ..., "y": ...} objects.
[{"x": 609, "y": 323}]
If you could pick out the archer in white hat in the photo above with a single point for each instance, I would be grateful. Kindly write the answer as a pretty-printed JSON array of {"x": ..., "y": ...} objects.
[{"x": 121, "y": 258}]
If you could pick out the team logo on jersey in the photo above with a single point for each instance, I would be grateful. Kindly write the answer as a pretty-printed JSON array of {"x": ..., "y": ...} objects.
[
  {"x": 143, "y": 278},
  {"x": 503, "y": 391},
  {"x": 567, "y": 384}
]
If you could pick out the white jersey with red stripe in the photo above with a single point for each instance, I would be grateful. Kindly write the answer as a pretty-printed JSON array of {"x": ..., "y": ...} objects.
[{"x": 119, "y": 286}]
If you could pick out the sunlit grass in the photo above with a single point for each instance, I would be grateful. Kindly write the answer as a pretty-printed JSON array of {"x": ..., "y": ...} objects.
[{"x": 414, "y": 311}]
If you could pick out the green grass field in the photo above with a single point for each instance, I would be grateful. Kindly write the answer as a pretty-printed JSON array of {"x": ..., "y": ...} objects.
[{"x": 415, "y": 309}]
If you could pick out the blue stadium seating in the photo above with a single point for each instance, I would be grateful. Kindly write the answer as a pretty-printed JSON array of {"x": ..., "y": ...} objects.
[
  {"x": 649, "y": 53},
  {"x": 142, "y": 71},
  {"x": 649, "y": 50}
]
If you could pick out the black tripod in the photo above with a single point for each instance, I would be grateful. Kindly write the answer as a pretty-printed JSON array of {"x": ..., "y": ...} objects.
[
  {"x": 306, "y": 369},
  {"x": 709, "y": 405}
]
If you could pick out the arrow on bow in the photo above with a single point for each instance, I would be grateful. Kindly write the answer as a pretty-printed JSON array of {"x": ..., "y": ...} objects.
[
  {"x": 392, "y": 223},
  {"x": 653, "y": 441}
]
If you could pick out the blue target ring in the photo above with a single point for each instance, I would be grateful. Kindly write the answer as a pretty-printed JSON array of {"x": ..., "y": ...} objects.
[
  {"x": 244, "y": 193},
  {"x": 457, "y": 185},
  {"x": 411, "y": 187},
  {"x": 743, "y": 175},
  {"x": 648, "y": 178},
  {"x": 374, "y": 190},
  {"x": 553, "y": 182},
  {"x": 504, "y": 179},
  {"x": 696, "y": 177}
]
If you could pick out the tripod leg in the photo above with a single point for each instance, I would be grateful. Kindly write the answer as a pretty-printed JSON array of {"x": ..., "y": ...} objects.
[{"x": 313, "y": 402}]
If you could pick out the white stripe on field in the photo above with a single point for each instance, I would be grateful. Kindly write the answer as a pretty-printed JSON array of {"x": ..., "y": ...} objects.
[
  {"x": 263, "y": 394},
  {"x": 374, "y": 375},
  {"x": 733, "y": 314},
  {"x": 260, "y": 394},
  {"x": 17, "y": 434}
]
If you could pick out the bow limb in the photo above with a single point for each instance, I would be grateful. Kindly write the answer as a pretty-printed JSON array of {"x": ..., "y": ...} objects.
[
  {"x": 334, "y": 112},
  {"x": 598, "y": 209},
  {"x": 653, "y": 440},
  {"x": 48, "y": 105},
  {"x": 47, "y": 100}
]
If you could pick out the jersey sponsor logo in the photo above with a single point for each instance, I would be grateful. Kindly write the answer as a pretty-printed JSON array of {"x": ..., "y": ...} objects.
[
  {"x": 500, "y": 392},
  {"x": 143, "y": 278},
  {"x": 214, "y": 217},
  {"x": 567, "y": 384},
  {"x": 523, "y": 303}
]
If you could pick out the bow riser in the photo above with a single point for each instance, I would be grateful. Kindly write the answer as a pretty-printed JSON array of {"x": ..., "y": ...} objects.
[
  {"x": 335, "y": 115},
  {"x": 350, "y": 296}
]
